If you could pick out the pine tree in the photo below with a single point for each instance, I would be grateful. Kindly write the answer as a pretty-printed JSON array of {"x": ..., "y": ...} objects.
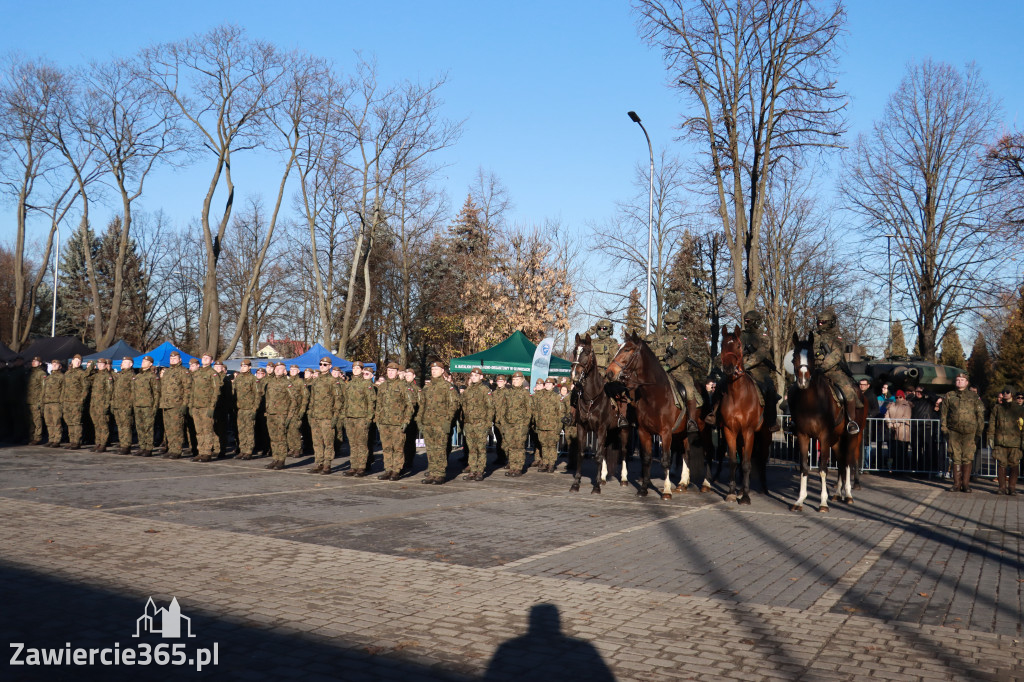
[
  {"x": 1008, "y": 367},
  {"x": 897, "y": 344},
  {"x": 979, "y": 365},
  {"x": 634, "y": 314},
  {"x": 952, "y": 350},
  {"x": 74, "y": 298}
]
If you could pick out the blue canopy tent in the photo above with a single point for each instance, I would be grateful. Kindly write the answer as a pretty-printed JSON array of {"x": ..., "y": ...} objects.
[
  {"x": 114, "y": 353},
  {"x": 311, "y": 359},
  {"x": 161, "y": 355}
]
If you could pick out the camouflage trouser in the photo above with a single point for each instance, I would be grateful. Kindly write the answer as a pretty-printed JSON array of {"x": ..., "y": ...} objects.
[
  {"x": 100, "y": 424},
  {"x": 124, "y": 421},
  {"x": 436, "y": 439},
  {"x": 144, "y": 418},
  {"x": 246, "y": 420},
  {"x": 323, "y": 440},
  {"x": 392, "y": 440},
  {"x": 515, "y": 444},
  {"x": 209, "y": 444},
  {"x": 684, "y": 377},
  {"x": 961, "y": 447},
  {"x": 1008, "y": 457},
  {"x": 54, "y": 425},
  {"x": 358, "y": 432},
  {"x": 35, "y": 414},
  {"x": 548, "y": 447},
  {"x": 295, "y": 434},
  {"x": 277, "y": 428},
  {"x": 845, "y": 385},
  {"x": 174, "y": 428},
  {"x": 476, "y": 446},
  {"x": 72, "y": 413}
]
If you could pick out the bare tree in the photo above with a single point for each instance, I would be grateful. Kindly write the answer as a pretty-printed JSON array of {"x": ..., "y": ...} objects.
[
  {"x": 761, "y": 74},
  {"x": 917, "y": 176},
  {"x": 1004, "y": 174}
]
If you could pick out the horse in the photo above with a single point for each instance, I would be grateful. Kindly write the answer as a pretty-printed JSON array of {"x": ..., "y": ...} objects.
[
  {"x": 657, "y": 415},
  {"x": 817, "y": 414},
  {"x": 742, "y": 418},
  {"x": 596, "y": 413}
]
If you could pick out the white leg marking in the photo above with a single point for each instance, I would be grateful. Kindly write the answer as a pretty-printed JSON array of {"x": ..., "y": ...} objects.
[
  {"x": 684, "y": 478},
  {"x": 823, "y": 475},
  {"x": 624, "y": 474},
  {"x": 849, "y": 483},
  {"x": 604, "y": 471},
  {"x": 803, "y": 490}
]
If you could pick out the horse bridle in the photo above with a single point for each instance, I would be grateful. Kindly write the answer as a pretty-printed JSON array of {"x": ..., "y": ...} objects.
[
  {"x": 585, "y": 414},
  {"x": 626, "y": 370},
  {"x": 737, "y": 363}
]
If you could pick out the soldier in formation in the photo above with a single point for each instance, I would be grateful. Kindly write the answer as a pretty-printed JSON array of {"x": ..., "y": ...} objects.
[
  {"x": 247, "y": 390},
  {"x": 326, "y": 402},
  {"x": 515, "y": 421},
  {"x": 101, "y": 390},
  {"x": 203, "y": 397},
  {"x": 73, "y": 397},
  {"x": 175, "y": 387},
  {"x": 438, "y": 402},
  {"x": 145, "y": 401},
  {"x": 550, "y": 415},
  {"x": 34, "y": 400},
  {"x": 478, "y": 415},
  {"x": 360, "y": 402},
  {"x": 53, "y": 389},
  {"x": 1006, "y": 427},
  {"x": 393, "y": 411},
  {"x": 962, "y": 417}
]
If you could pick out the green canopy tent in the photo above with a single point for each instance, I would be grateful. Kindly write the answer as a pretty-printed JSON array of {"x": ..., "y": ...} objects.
[{"x": 513, "y": 354}]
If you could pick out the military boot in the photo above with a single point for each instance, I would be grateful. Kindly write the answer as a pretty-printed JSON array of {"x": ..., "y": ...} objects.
[
  {"x": 317, "y": 469},
  {"x": 326, "y": 470},
  {"x": 124, "y": 451},
  {"x": 852, "y": 427},
  {"x": 965, "y": 478},
  {"x": 691, "y": 409},
  {"x": 101, "y": 448},
  {"x": 1011, "y": 484},
  {"x": 1001, "y": 478},
  {"x": 957, "y": 471}
]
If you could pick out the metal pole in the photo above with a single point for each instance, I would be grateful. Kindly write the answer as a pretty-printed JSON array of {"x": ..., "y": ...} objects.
[
  {"x": 888, "y": 255},
  {"x": 56, "y": 260},
  {"x": 650, "y": 220}
]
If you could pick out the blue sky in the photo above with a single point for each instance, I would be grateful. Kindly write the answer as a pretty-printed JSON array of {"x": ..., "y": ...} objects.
[{"x": 544, "y": 86}]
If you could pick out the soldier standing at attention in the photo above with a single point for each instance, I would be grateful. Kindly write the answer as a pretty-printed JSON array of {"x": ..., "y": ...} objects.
[
  {"x": 277, "y": 397},
  {"x": 53, "y": 389},
  {"x": 360, "y": 401},
  {"x": 300, "y": 401},
  {"x": 122, "y": 405},
  {"x": 203, "y": 404},
  {"x": 325, "y": 402},
  {"x": 962, "y": 417},
  {"x": 174, "y": 398},
  {"x": 145, "y": 399},
  {"x": 248, "y": 392},
  {"x": 498, "y": 395},
  {"x": 338, "y": 422},
  {"x": 1005, "y": 429},
  {"x": 76, "y": 390},
  {"x": 221, "y": 416},
  {"x": 413, "y": 429},
  {"x": 394, "y": 409},
  {"x": 516, "y": 420},
  {"x": 34, "y": 399},
  {"x": 478, "y": 413},
  {"x": 438, "y": 404},
  {"x": 550, "y": 413},
  {"x": 101, "y": 390}
]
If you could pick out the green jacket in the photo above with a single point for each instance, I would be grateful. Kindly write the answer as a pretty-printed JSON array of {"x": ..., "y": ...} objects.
[
  {"x": 34, "y": 387},
  {"x": 477, "y": 404},
  {"x": 548, "y": 409},
  {"x": 122, "y": 397},
  {"x": 101, "y": 389},
  {"x": 438, "y": 403},
  {"x": 360, "y": 399},
  {"x": 1006, "y": 425},
  {"x": 76, "y": 385},
  {"x": 394, "y": 403},
  {"x": 518, "y": 405},
  {"x": 248, "y": 391},
  {"x": 146, "y": 389},
  {"x": 325, "y": 401},
  {"x": 174, "y": 387},
  {"x": 962, "y": 412},
  {"x": 277, "y": 395}
]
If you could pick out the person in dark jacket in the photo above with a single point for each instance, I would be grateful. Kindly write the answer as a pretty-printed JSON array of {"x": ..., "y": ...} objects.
[{"x": 924, "y": 429}]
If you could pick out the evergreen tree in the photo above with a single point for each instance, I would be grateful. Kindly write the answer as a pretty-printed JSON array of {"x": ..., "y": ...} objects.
[
  {"x": 634, "y": 314},
  {"x": 74, "y": 298},
  {"x": 979, "y": 365},
  {"x": 897, "y": 344},
  {"x": 952, "y": 350},
  {"x": 1008, "y": 367}
]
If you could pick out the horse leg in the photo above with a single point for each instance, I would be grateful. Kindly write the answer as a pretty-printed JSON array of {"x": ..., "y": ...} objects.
[
  {"x": 600, "y": 453},
  {"x": 646, "y": 446},
  {"x": 581, "y": 434},
  {"x": 823, "y": 460},
  {"x": 666, "y": 463},
  {"x": 624, "y": 439},
  {"x": 730, "y": 444},
  {"x": 684, "y": 469},
  {"x": 803, "y": 443},
  {"x": 748, "y": 451}
]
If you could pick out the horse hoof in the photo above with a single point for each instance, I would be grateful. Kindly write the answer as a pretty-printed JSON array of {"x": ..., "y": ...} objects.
[
  {"x": 641, "y": 493},
  {"x": 745, "y": 499},
  {"x": 680, "y": 489},
  {"x": 823, "y": 509},
  {"x": 574, "y": 488},
  {"x": 730, "y": 498},
  {"x": 705, "y": 488},
  {"x": 856, "y": 486},
  {"x": 666, "y": 496},
  {"x": 848, "y": 500},
  {"x": 796, "y": 507},
  {"x": 623, "y": 483},
  {"x": 595, "y": 489}
]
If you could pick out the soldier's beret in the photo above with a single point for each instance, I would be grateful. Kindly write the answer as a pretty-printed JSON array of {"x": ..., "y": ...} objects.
[
  {"x": 518, "y": 374},
  {"x": 103, "y": 360},
  {"x": 501, "y": 377},
  {"x": 393, "y": 365},
  {"x": 78, "y": 356},
  {"x": 358, "y": 364},
  {"x": 148, "y": 357},
  {"x": 175, "y": 354},
  {"x": 540, "y": 382},
  {"x": 128, "y": 358},
  {"x": 37, "y": 359},
  {"x": 193, "y": 361},
  {"x": 326, "y": 360},
  {"x": 961, "y": 373},
  {"x": 437, "y": 364},
  {"x": 477, "y": 370},
  {"x": 246, "y": 363},
  {"x": 219, "y": 362},
  {"x": 294, "y": 366},
  {"x": 55, "y": 361},
  {"x": 549, "y": 380}
]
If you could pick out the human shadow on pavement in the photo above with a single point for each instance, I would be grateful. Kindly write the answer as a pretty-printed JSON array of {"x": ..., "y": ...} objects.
[{"x": 546, "y": 653}]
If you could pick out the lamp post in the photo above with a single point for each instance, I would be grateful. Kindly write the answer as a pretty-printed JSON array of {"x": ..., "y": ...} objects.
[
  {"x": 56, "y": 260},
  {"x": 650, "y": 219},
  {"x": 888, "y": 255}
]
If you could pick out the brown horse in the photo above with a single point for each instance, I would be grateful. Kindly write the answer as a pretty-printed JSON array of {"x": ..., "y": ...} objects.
[
  {"x": 742, "y": 419},
  {"x": 657, "y": 415},
  {"x": 596, "y": 413},
  {"x": 817, "y": 414}
]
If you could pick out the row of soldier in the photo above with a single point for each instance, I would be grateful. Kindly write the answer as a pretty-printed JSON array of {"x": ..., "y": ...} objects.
[{"x": 205, "y": 398}]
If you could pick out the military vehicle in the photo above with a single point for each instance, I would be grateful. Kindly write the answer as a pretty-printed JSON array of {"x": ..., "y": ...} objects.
[{"x": 900, "y": 372}]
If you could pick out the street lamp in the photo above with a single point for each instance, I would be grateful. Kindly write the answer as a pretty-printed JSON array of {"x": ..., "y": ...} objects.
[
  {"x": 650, "y": 219},
  {"x": 888, "y": 255},
  {"x": 56, "y": 260}
]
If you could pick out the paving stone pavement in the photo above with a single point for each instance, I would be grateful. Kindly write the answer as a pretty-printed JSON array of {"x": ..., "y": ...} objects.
[{"x": 357, "y": 579}]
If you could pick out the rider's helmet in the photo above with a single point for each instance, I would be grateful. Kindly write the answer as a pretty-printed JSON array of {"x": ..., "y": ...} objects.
[
  {"x": 827, "y": 319},
  {"x": 752, "y": 320},
  {"x": 671, "y": 320},
  {"x": 604, "y": 329}
]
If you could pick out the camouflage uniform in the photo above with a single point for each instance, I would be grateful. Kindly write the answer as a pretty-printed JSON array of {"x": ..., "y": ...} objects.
[
  {"x": 672, "y": 348},
  {"x": 248, "y": 392},
  {"x": 325, "y": 404},
  {"x": 828, "y": 352},
  {"x": 1005, "y": 428},
  {"x": 100, "y": 391},
  {"x": 122, "y": 404},
  {"x": 516, "y": 418},
  {"x": 549, "y": 409},
  {"x": 300, "y": 402},
  {"x": 278, "y": 399},
  {"x": 53, "y": 388},
  {"x": 203, "y": 396},
  {"x": 605, "y": 346},
  {"x": 758, "y": 363},
  {"x": 360, "y": 400},
  {"x": 174, "y": 398},
  {"x": 76, "y": 391},
  {"x": 34, "y": 402},
  {"x": 478, "y": 415},
  {"x": 145, "y": 399},
  {"x": 962, "y": 418},
  {"x": 438, "y": 403},
  {"x": 394, "y": 409}
]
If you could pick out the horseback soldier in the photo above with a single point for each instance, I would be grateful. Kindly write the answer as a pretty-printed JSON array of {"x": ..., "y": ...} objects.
[
  {"x": 828, "y": 352},
  {"x": 671, "y": 347},
  {"x": 757, "y": 362},
  {"x": 605, "y": 347}
]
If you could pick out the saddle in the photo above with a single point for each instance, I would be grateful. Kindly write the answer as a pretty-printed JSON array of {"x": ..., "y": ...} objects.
[{"x": 678, "y": 393}]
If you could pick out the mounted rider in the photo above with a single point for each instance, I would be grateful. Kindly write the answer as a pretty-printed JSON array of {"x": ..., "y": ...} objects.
[
  {"x": 605, "y": 346},
  {"x": 828, "y": 352},
  {"x": 758, "y": 363},
  {"x": 671, "y": 348}
]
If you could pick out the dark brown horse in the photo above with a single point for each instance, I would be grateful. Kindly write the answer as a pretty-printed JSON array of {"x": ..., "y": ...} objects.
[
  {"x": 596, "y": 414},
  {"x": 742, "y": 419},
  {"x": 657, "y": 415},
  {"x": 817, "y": 414}
]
